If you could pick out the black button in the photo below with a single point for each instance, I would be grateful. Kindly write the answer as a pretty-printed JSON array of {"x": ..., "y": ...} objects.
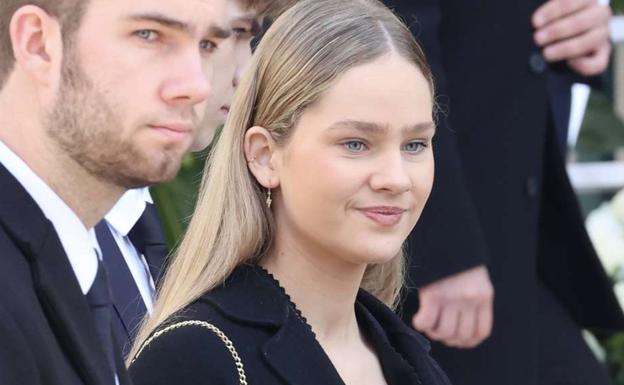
[
  {"x": 537, "y": 64},
  {"x": 532, "y": 187}
]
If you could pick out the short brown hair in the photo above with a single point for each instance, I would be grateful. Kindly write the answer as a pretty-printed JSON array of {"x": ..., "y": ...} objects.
[
  {"x": 68, "y": 12},
  {"x": 268, "y": 8}
]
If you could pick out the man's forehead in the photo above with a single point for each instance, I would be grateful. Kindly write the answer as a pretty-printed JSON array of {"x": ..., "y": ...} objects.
[
  {"x": 238, "y": 12},
  {"x": 197, "y": 15}
]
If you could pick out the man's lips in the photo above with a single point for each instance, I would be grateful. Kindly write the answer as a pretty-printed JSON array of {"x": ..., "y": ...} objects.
[
  {"x": 384, "y": 215},
  {"x": 175, "y": 130}
]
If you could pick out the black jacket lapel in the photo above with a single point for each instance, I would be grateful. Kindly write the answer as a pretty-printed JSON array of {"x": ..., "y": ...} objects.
[
  {"x": 55, "y": 283},
  {"x": 148, "y": 237},
  {"x": 413, "y": 346},
  {"x": 295, "y": 354},
  {"x": 127, "y": 300},
  {"x": 251, "y": 295}
]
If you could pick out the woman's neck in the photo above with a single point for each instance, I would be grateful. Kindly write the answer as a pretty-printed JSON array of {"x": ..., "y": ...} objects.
[{"x": 324, "y": 290}]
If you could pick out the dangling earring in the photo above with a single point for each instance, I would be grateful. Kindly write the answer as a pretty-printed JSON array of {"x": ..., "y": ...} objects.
[{"x": 269, "y": 200}]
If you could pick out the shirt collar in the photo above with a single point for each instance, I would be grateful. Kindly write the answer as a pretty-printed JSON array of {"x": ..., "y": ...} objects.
[
  {"x": 72, "y": 233},
  {"x": 128, "y": 209}
]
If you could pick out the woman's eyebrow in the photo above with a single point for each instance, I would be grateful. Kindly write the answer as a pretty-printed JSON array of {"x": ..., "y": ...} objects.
[{"x": 376, "y": 128}]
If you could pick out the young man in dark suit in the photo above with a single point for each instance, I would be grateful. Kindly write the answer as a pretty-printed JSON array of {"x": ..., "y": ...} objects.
[
  {"x": 130, "y": 236},
  {"x": 501, "y": 247},
  {"x": 96, "y": 97}
]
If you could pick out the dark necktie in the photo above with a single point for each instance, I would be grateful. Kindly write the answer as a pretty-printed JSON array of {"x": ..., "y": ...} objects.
[
  {"x": 127, "y": 300},
  {"x": 148, "y": 239},
  {"x": 99, "y": 299}
]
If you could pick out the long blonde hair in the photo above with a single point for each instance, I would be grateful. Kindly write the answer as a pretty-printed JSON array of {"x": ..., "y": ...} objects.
[{"x": 303, "y": 53}]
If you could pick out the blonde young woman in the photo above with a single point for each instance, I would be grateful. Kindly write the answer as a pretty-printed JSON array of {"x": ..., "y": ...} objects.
[{"x": 293, "y": 258}]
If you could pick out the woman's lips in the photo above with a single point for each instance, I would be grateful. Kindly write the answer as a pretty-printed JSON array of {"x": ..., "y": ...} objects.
[{"x": 384, "y": 215}]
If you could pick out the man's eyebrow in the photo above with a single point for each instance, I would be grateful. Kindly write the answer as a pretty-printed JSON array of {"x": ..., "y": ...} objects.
[
  {"x": 219, "y": 32},
  {"x": 169, "y": 22},
  {"x": 163, "y": 20},
  {"x": 379, "y": 128}
]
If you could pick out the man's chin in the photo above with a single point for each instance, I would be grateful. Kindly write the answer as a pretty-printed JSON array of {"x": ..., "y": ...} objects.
[{"x": 137, "y": 178}]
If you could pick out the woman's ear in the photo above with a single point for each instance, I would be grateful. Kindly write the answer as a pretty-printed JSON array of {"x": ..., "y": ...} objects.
[{"x": 260, "y": 149}]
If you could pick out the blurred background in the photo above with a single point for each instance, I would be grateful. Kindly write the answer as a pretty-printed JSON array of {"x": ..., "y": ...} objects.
[{"x": 595, "y": 163}]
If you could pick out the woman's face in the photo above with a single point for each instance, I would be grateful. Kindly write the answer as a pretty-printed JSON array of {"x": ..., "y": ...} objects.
[{"x": 358, "y": 168}]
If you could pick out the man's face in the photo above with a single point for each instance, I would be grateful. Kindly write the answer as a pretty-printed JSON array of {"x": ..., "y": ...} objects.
[
  {"x": 230, "y": 61},
  {"x": 134, "y": 86}
]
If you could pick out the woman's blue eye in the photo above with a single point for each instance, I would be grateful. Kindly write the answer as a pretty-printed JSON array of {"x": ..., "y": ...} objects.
[
  {"x": 354, "y": 145},
  {"x": 414, "y": 147}
]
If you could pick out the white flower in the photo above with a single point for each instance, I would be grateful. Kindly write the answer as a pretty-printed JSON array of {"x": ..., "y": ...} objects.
[
  {"x": 617, "y": 206},
  {"x": 607, "y": 235},
  {"x": 619, "y": 293}
]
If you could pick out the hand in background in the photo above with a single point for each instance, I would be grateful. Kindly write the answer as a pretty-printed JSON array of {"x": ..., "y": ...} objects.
[
  {"x": 457, "y": 310},
  {"x": 576, "y": 31}
]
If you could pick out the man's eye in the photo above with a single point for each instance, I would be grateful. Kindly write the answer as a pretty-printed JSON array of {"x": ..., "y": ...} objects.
[
  {"x": 146, "y": 34},
  {"x": 207, "y": 45},
  {"x": 241, "y": 32},
  {"x": 415, "y": 147},
  {"x": 355, "y": 145}
]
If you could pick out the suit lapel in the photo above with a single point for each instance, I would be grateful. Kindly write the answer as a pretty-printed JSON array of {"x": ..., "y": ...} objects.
[
  {"x": 148, "y": 238},
  {"x": 251, "y": 295},
  {"x": 409, "y": 343},
  {"x": 127, "y": 300},
  {"x": 295, "y": 354},
  {"x": 56, "y": 285}
]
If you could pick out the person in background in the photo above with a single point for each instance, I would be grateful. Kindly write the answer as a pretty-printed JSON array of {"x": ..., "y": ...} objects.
[
  {"x": 293, "y": 257},
  {"x": 130, "y": 236},
  {"x": 96, "y": 97},
  {"x": 501, "y": 250}
]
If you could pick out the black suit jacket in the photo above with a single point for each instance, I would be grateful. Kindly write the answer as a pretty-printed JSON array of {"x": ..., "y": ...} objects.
[
  {"x": 274, "y": 342},
  {"x": 46, "y": 327},
  {"x": 501, "y": 194}
]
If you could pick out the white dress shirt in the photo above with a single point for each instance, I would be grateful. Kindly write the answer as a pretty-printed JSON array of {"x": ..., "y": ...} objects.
[
  {"x": 78, "y": 242},
  {"x": 121, "y": 219}
]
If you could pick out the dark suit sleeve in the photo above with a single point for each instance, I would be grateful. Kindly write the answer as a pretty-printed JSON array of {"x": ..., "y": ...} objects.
[
  {"x": 448, "y": 238},
  {"x": 562, "y": 70},
  {"x": 186, "y": 356},
  {"x": 16, "y": 360}
]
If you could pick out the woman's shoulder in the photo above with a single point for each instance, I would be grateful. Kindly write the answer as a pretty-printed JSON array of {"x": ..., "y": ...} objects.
[{"x": 186, "y": 351}]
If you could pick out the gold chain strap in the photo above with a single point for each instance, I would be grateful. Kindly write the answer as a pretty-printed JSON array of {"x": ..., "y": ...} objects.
[{"x": 242, "y": 378}]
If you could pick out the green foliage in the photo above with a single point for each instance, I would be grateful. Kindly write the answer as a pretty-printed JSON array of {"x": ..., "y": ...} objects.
[
  {"x": 614, "y": 347},
  {"x": 602, "y": 132},
  {"x": 176, "y": 200}
]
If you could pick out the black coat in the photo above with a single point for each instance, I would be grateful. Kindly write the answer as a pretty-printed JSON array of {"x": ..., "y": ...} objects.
[
  {"x": 47, "y": 335},
  {"x": 501, "y": 195},
  {"x": 275, "y": 343}
]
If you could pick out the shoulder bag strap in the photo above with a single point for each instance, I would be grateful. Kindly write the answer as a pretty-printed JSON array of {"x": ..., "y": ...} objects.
[{"x": 242, "y": 378}]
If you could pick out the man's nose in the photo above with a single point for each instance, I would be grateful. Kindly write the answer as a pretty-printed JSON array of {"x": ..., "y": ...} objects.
[{"x": 189, "y": 81}]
